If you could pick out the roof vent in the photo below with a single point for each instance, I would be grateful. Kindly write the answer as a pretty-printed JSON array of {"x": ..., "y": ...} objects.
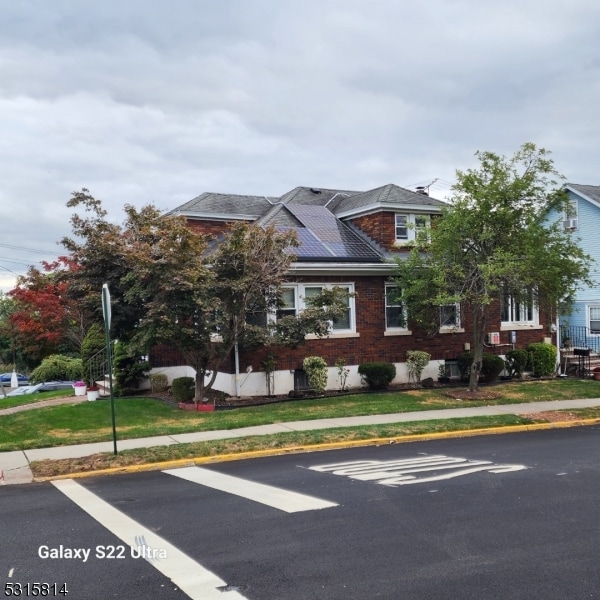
[
  {"x": 422, "y": 190},
  {"x": 315, "y": 191}
]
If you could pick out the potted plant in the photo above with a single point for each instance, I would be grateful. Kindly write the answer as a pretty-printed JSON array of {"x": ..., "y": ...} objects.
[
  {"x": 596, "y": 372},
  {"x": 80, "y": 388},
  {"x": 93, "y": 392}
]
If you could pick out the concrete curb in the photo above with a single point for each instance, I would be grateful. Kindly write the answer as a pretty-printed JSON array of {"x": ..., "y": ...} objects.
[{"x": 187, "y": 462}]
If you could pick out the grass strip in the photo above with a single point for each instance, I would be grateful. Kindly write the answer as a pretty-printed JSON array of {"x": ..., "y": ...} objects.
[
  {"x": 88, "y": 422},
  {"x": 281, "y": 441}
]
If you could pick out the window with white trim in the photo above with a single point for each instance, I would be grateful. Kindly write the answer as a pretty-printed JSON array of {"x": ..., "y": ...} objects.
[
  {"x": 289, "y": 298},
  {"x": 408, "y": 226},
  {"x": 570, "y": 220},
  {"x": 519, "y": 310},
  {"x": 294, "y": 301},
  {"x": 395, "y": 312},
  {"x": 450, "y": 316},
  {"x": 594, "y": 319},
  {"x": 401, "y": 227}
]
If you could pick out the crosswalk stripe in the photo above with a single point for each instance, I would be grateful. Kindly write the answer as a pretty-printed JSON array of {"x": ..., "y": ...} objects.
[
  {"x": 188, "y": 575},
  {"x": 274, "y": 497}
]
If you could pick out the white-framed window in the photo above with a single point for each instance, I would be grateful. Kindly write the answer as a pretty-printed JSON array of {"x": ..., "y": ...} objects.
[
  {"x": 401, "y": 227},
  {"x": 289, "y": 297},
  {"x": 570, "y": 216},
  {"x": 519, "y": 311},
  {"x": 294, "y": 301},
  {"x": 408, "y": 226},
  {"x": 594, "y": 319},
  {"x": 450, "y": 316},
  {"x": 395, "y": 312}
]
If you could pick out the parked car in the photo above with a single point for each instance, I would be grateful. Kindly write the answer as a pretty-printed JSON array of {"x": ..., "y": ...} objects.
[
  {"x": 48, "y": 386},
  {"x": 6, "y": 378}
]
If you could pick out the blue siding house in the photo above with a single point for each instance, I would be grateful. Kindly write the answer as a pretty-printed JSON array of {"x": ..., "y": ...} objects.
[{"x": 582, "y": 327}]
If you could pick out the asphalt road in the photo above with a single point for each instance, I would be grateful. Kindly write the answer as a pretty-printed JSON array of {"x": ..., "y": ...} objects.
[{"x": 510, "y": 516}]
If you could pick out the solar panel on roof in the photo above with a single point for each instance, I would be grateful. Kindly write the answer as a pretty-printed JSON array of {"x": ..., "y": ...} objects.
[{"x": 324, "y": 237}]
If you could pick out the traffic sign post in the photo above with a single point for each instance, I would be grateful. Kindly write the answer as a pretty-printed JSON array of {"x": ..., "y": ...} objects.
[{"x": 107, "y": 314}]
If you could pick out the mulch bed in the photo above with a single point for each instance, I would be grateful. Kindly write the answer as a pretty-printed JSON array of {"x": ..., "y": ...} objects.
[{"x": 456, "y": 392}]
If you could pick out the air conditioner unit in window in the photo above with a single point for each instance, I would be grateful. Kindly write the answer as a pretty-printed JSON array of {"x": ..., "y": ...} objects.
[
  {"x": 493, "y": 338},
  {"x": 570, "y": 223}
]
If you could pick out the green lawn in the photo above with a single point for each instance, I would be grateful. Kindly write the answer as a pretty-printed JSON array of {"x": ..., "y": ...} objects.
[
  {"x": 142, "y": 417},
  {"x": 31, "y": 398}
]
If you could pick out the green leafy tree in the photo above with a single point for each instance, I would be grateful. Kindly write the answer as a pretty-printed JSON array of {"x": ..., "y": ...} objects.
[
  {"x": 9, "y": 352},
  {"x": 493, "y": 239},
  {"x": 171, "y": 285},
  {"x": 98, "y": 248}
]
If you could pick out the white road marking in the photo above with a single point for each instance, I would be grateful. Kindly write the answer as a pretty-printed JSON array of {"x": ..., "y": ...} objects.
[
  {"x": 10, "y": 573},
  {"x": 190, "y": 576},
  {"x": 401, "y": 472},
  {"x": 274, "y": 497}
]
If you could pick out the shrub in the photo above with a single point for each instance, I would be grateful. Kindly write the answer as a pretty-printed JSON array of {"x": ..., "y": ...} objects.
[
  {"x": 342, "y": 373},
  {"x": 416, "y": 361},
  {"x": 128, "y": 369},
  {"x": 543, "y": 358},
  {"x": 58, "y": 367},
  {"x": 491, "y": 366},
  {"x": 316, "y": 372},
  {"x": 516, "y": 361},
  {"x": 158, "y": 382},
  {"x": 464, "y": 362},
  {"x": 378, "y": 375},
  {"x": 184, "y": 389}
]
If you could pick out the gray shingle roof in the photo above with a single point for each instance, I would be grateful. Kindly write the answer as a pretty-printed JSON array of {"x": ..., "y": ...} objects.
[
  {"x": 312, "y": 213},
  {"x": 278, "y": 216},
  {"x": 235, "y": 205},
  {"x": 591, "y": 191},
  {"x": 388, "y": 195},
  {"x": 313, "y": 196}
]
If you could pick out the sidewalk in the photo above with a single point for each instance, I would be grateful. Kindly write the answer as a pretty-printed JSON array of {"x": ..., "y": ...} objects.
[{"x": 14, "y": 466}]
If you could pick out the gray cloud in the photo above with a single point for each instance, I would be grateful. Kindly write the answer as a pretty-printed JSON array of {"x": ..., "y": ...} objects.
[{"x": 157, "y": 102}]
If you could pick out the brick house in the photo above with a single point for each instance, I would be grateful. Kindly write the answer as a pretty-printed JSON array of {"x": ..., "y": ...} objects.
[{"x": 348, "y": 239}]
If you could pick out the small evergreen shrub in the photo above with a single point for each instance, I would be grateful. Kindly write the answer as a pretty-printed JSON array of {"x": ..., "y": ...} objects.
[
  {"x": 58, "y": 367},
  {"x": 416, "y": 361},
  {"x": 378, "y": 375},
  {"x": 491, "y": 366},
  {"x": 128, "y": 369},
  {"x": 543, "y": 358},
  {"x": 516, "y": 361},
  {"x": 183, "y": 389},
  {"x": 316, "y": 372},
  {"x": 158, "y": 382}
]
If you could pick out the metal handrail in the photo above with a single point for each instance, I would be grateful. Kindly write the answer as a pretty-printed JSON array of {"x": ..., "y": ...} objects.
[
  {"x": 578, "y": 336},
  {"x": 98, "y": 365}
]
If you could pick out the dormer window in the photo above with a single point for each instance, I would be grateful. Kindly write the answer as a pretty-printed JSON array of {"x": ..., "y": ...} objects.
[
  {"x": 401, "y": 227},
  {"x": 409, "y": 226}
]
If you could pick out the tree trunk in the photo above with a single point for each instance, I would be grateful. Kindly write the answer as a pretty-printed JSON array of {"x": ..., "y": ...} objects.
[{"x": 479, "y": 323}]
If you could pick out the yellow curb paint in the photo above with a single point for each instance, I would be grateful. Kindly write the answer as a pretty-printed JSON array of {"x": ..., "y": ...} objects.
[{"x": 419, "y": 437}]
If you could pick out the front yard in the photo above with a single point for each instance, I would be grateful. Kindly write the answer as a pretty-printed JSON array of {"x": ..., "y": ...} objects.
[{"x": 145, "y": 417}]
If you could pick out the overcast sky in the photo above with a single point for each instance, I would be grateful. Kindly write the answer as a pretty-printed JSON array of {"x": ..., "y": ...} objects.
[{"x": 157, "y": 102}]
